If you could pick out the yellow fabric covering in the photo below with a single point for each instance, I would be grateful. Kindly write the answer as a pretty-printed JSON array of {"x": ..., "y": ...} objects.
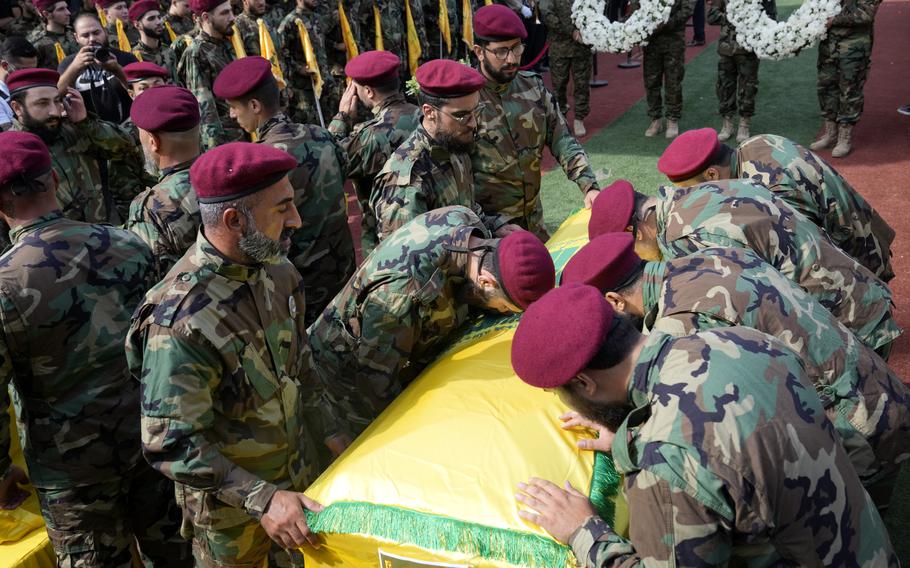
[{"x": 453, "y": 446}]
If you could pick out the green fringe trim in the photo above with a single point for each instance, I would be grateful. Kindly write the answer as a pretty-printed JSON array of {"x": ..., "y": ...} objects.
[{"x": 439, "y": 533}]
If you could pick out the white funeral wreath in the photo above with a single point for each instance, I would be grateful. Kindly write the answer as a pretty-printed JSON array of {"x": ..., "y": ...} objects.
[{"x": 756, "y": 31}]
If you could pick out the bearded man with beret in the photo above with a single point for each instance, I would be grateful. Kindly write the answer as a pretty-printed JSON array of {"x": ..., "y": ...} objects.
[
  {"x": 152, "y": 47},
  {"x": 727, "y": 455},
  {"x": 117, "y": 11},
  {"x": 519, "y": 118},
  {"x": 67, "y": 290},
  {"x": 230, "y": 408},
  {"x": 408, "y": 297}
]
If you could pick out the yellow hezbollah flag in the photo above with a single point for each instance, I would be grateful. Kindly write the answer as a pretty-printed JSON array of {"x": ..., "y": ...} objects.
[
  {"x": 101, "y": 16},
  {"x": 58, "y": 49},
  {"x": 237, "y": 43},
  {"x": 399, "y": 492},
  {"x": 137, "y": 55},
  {"x": 350, "y": 46},
  {"x": 467, "y": 17},
  {"x": 487, "y": 2},
  {"x": 310, "y": 55},
  {"x": 444, "y": 25},
  {"x": 122, "y": 42},
  {"x": 377, "y": 23},
  {"x": 414, "y": 51},
  {"x": 267, "y": 51},
  {"x": 170, "y": 30}
]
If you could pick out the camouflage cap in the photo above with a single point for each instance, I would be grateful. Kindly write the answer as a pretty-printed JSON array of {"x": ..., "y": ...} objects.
[
  {"x": 448, "y": 79},
  {"x": 25, "y": 157},
  {"x": 608, "y": 263},
  {"x": 498, "y": 22},
  {"x": 373, "y": 68},
  {"x": 559, "y": 335},
  {"x": 23, "y": 79},
  {"x": 141, "y": 8},
  {"x": 689, "y": 154},
  {"x": 525, "y": 268},
  {"x": 238, "y": 169},
  {"x": 241, "y": 76},
  {"x": 612, "y": 211}
]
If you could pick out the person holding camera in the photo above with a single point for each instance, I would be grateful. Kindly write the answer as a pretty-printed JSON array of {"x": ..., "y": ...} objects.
[{"x": 96, "y": 71}]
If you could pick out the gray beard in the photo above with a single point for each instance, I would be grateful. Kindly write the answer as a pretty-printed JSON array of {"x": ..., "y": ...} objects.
[{"x": 261, "y": 248}]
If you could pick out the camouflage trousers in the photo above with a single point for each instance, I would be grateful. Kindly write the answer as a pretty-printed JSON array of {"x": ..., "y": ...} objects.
[
  {"x": 843, "y": 65},
  {"x": 326, "y": 271},
  {"x": 98, "y": 525},
  {"x": 664, "y": 67},
  {"x": 246, "y": 545},
  {"x": 737, "y": 84},
  {"x": 579, "y": 65}
]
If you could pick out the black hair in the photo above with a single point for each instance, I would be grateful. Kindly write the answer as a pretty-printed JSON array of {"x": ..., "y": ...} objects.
[
  {"x": 435, "y": 102},
  {"x": 638, "y": 205},
  {"x": 632, "y": 280},
  {"x": 616, "y": 344},
  {"x": 268, "y": 95},
  {"x": 721, "y": 156},
  {"x": 390, "y": 87},
  {"x": 17, "y": 48}
]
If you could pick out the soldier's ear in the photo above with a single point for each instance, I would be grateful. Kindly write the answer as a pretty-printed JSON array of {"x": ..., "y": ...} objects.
[
  {"x": 478, "y": 51},
  {"x": 617, "y": 301}
]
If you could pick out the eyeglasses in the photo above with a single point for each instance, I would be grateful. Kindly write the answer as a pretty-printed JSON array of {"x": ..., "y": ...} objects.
[
  {"x": 502, "y": 53},
  {"x": 463, "y": 117}
]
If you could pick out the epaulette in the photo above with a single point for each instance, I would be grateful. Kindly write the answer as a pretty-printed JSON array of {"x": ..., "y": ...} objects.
[{"x": 171, "y": 306}]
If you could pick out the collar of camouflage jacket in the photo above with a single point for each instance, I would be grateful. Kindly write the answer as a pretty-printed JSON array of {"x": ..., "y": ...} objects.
[
  {"x": 388, "y": 102},
  {"x": 269, "y": 124},
  {"x": 654, "y": 274},
  {"x": 437, "y": 153},
  {"x": 500, "y": 88},
  {"x": 734, "y": 164},
  {"x": 16, "y": 234},
  {"x": 208, "y": 256},
  {"x": 176, "y": 168}
]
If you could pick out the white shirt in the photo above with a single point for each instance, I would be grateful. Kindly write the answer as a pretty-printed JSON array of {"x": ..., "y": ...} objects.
[{"x": 6, "y": 113}]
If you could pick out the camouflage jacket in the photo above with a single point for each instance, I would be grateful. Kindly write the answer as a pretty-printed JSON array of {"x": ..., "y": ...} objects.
[
  {"x": 518, "y": 120},
  {"x": 249, "y": 29},
  {"x": 421, "y": 176},
  {"x": 815, "y": 189},
  {"x": 162, "y": 56},
  {"x": 199, "y": 65},
  {"x": 166, "y": 217},
  {"x": 557, "y": 15},
  {"x": 132, "y": 34},
  {"x": 181, "y": 26},
  {"x": 395, "y": 313},
  {"x": 291, "y": 50},
  {"x": 726, "y": 43},
  {"x": 44, "y": 41},
  {"x": 742, "y": 214},
  {"x": 368, "y": 147},
  {"x": 723, "y": 287},
  {"x": 747, "y": 473},
  {"x": 229, "y": 403},
  {"x": 75, "y": 157},
  {"x": 67, "y": 290},
  {"x": 322, "y": 249},
  {"x": 856, "y": 16}
]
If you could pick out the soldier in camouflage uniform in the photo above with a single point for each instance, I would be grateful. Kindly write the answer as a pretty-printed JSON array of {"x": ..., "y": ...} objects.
[
  {"x": 393, "y": 20},
  {"x": 568, "y": 55},
  {"x": 209, "y": 53},
  {"x": 68, "y": 289},
  {"x": 179, "y": 18},
  {"x": 663, "y": 68},
  {"x": 520, "y": 118},
  {"x": 796, "y": 175},
  {"x": 166, "y": 216},
  {"x": 407, "y": 298},
  {"x": 76, "y": 142},
  {"x": 114, "y": 11},
  {"x": 737, "y": 71},
  {"x": 248, "y": 23},
  {"x": 726, "y": 452},
  {"x": 322, "y": 250},
  {"x": 152, "y": 46},
  {"x": 723, "y": 287},
  {"x": 55, "y": 33},
  {"x": 299, "y": 76},
  {"x": 230, "y": 408},
  {"x": 844, "y": 58},
  {"x": 374, "y": 82}
]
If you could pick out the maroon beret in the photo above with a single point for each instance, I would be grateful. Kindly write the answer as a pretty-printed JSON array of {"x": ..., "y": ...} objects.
[
  {"x": 559, "y": 335},
  {"x": 140, "y": 8},
  {"x": 238, "y": 169},
  {"x": 689, "y": 154},
  {"x": 607, "y": 263},
  {"x": 448, "y": 79},
  {"x": 612, "y": 210},
  {"x": 28, "y": 78},
  {"x": 373, "y": 68},
  {"x": 105, "y": 4},
  {"x": 525, "y": 268},
  {"x": 45, "y": 5},
  {"x": 143, "y": 70},
  {"x": 24, "y": 157},
  {"x": 165, "y": 108},
  {"x": 200, "y": 6},
  {"x": 241, "y": 76},
  {"x": 498, "y": 22}
]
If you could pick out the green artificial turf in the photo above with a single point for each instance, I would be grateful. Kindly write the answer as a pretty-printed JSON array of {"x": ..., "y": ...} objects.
[{"x": 786, "y": 105}]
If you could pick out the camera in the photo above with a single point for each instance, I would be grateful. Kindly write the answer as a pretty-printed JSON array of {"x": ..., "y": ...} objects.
[{"x": 101, "y": 52}]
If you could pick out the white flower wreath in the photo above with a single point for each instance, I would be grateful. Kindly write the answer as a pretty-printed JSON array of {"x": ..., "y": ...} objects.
[
  {"x": 769, "y": 39},
  {"x": 618, "y": 37}
]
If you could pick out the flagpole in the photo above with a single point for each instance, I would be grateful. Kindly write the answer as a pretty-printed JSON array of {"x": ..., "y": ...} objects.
[{"x": 318, "y": 105}]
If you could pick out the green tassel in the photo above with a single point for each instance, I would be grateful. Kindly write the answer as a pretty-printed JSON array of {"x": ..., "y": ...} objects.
[{"x": 439, "y": 533}]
